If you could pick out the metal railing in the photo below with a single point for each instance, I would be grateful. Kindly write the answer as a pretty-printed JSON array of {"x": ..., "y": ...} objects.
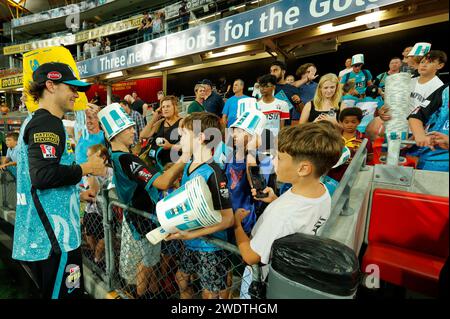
[
  {"x": 341, "y": 196},
  {"x": 137, "y": 269},
  {"x": 129, "y": 264},
  {"x": 7, "y": 190}
]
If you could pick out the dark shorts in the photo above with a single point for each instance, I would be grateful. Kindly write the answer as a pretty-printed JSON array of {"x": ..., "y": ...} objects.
[
  {"x": 60, "y": 276},
  {"x": 93, "y": 224},
  {"x": 211, "y": 267}
]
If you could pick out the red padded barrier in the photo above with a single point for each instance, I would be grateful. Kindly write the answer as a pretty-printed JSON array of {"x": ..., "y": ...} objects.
[
  {"x": 410, "y": 220},
  {"x": 408, "y": 238},
  {"x": 406, "y": 268}
]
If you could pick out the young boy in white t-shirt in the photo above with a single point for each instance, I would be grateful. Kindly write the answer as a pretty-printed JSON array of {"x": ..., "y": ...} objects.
[
  {"x": 421, "y": 88},
  {"x": 428, "y": 81},
  {"x": 305, "y": 153},
  {"x": 275, "y": 110}
]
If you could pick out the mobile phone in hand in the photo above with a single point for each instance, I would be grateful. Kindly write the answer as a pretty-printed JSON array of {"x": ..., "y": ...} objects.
[{"x": 258, "y": 181}]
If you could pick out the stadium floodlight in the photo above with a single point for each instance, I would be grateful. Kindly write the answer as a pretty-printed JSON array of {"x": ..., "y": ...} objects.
[{"x": 359, "y": 21}]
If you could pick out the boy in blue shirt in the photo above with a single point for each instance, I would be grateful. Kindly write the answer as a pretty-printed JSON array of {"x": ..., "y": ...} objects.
[
  {"x": 95, "y": 135},
  {"x": 200, "y": 257},
  {"x": 137, "y": 186},
  {"x": 9, "y": 162},
  {"x": 238, "y": 183},
  {"x": 245, "y": 154}
]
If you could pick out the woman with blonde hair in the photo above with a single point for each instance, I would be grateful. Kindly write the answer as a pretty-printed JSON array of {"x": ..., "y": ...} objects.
[
  {"x": 163, "y": 129},
  {"x": 326, "y": 102}
]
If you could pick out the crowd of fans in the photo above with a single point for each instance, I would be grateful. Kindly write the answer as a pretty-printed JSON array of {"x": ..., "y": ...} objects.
[
  {"x": 313, "y": 119},
  {"x": 152, "y": 26},
  {"x": 96, "y": 47}
]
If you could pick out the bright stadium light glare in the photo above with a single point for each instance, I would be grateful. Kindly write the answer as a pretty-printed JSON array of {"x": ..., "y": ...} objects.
[
  {"x": 227, "y": 51},
  {"x": 114, "y": 75},
  {"x": 359, "y": 21},
  {"x": 370, "y": 17},
  {"x": 162, "y": 65}
]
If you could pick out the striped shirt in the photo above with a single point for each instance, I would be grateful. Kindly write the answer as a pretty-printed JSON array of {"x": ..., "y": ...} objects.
[{"x": 275, "y": 112}]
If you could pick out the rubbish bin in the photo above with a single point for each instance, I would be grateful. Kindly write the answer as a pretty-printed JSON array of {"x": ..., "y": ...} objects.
[{"x": 311, "y": 267}]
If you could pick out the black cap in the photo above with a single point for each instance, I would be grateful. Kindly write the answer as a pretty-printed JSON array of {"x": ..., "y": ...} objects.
[
  {"x": 60, "y": 73},
  {"x": 206, "y": 82}
]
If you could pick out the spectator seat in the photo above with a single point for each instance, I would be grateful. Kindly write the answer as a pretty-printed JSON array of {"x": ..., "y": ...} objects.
[{"x": 408, "y": 239}]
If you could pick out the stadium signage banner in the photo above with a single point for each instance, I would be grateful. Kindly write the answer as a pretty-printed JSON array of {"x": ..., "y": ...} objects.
[
  {"x": 276, "y": 18},
  {"x": 171, "y": 11},
  {"x": 11, "y": 82}
]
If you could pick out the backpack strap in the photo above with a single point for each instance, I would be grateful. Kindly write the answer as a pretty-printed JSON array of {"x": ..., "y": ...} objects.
[
  {"x": 377, "y": 80},
  {"x": 346, "y": 77},
  {"x": 366, "y": 74}
]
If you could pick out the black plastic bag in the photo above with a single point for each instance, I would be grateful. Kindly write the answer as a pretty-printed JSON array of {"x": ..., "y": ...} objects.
[
  {"x": 319, "y": 263},
  {"x": 257, "y": 290}
]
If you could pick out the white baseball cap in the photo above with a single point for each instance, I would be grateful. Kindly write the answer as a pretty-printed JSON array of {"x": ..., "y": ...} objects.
[
  {"x": 420, "y": 49},
  {"x": 114, "y": 120}
]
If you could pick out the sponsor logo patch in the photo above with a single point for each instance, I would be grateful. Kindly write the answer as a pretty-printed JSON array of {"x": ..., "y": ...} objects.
[
  {"x": 54, "y": 75},
  {"x": 318, "y": 224},
  {"x": 134, "y": 167},
  {"x": 144, "y": 175},
  {"x": 48, "y": 151},
  {"x": 224, "y": 193},
  {"x": 73, "y": 277},
  {"x": 46, "y": 137},
  {"x": 69, "y": 147}
]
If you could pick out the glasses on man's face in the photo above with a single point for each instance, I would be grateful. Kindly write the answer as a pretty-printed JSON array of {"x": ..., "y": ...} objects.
[
  {"x": 263, "y": 86},
  {"x": 358, "y": 65}
]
